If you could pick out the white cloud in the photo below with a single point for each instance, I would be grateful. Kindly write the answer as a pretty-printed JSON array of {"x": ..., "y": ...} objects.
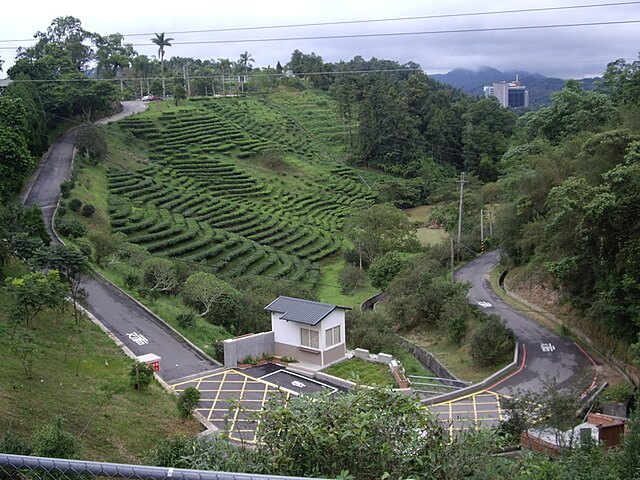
[{"x": 562, "y": 52}]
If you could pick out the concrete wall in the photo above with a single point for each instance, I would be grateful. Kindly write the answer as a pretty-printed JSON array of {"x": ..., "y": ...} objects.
[
  {"x": 334, "y": 354},
  {"x": 256, "y": 345},
  {"x": 288, "y": 333},
  {"x": 302, "y": 354},
  {"x": 427, "y": 360},
  {"x": 334, "y": 319},
  {"x": 370, "y": 302}
]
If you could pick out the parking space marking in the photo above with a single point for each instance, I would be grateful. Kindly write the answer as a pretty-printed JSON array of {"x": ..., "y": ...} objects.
[
  {"x": 475, "y": 409},
  {"x": 307, "y": 379},
  {"x": 230, "y": 400}
]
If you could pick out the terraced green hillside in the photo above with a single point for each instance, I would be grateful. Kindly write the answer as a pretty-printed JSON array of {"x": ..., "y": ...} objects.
[{"x": 239, "y": 184}]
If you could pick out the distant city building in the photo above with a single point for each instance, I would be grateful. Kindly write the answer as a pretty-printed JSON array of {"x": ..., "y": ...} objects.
[{"x": 509, "y": 94}]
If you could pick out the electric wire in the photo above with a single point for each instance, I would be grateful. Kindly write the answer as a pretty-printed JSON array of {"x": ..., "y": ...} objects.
[
  {"x": 386, "y": 34},
  {"x": 375, "y": 20}
]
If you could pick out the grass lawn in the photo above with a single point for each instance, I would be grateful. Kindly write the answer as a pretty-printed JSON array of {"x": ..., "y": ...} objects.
[
  {"x": 419, "y": 214},
  {"x": 411, "y": 365},
  {"x": 457, "y": 359},
  {"x": 79, "y": 374},
  {"x": 329, "y": 287},
  {"x": 431, "y": 236},
  {"x": 363, "y": 373}
]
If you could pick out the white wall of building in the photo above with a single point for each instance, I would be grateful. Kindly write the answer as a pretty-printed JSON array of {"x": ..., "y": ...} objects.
[
  {"x": 333, "y": 319},
  {"x": 288, "y": 332}
]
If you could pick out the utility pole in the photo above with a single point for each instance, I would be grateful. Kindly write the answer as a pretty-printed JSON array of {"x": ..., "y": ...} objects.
[
  {"x": 481, "y": 225},
  {"x": 223, "y": 91},
  {"x": 452, "y": 259},
  {"x": 185, "y": 74},
  {"x": 461, "y": 182}
]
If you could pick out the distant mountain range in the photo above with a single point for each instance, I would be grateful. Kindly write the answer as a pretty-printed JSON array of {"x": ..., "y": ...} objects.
[{"x": 540, "y": 87}]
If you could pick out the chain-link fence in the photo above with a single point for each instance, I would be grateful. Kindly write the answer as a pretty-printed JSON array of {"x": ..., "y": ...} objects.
[{"x": 22, "y": 467}]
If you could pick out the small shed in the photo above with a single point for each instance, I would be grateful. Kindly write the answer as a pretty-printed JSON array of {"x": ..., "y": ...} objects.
[
  {"x": 598, "y": 428},
  {"x": 311, "y": 332}
]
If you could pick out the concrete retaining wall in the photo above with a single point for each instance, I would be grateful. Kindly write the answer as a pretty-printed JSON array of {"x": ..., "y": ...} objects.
[
  {"x": 486, "y": 383},
  {"x": 255, "y": 345},
  {"x": 371, "y": 301},
  {"x": 427, "y": 360}
]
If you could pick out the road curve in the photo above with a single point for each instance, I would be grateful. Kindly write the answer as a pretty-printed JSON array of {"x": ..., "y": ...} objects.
[
  {"x": 141, "y": 331},
  {"x": 547, "y": 354}
]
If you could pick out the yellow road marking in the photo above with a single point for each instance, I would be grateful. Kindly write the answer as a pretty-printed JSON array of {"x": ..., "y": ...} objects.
[{"x": 215, "y": 401}]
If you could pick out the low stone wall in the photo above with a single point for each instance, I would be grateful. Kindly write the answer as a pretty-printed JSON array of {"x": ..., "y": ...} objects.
[
  {"x": 395, "y": 367},
  {"x": 253, "y": 345}
]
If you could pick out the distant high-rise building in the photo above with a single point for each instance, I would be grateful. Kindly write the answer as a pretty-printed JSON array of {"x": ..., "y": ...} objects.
[{"x": 509, "y": 94}]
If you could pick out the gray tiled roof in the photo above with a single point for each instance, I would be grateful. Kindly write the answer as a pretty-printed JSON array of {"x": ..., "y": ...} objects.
[{"x": 301, "y": 311}]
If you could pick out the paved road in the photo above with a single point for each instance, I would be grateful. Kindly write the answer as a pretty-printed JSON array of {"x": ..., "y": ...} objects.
[
  {"x": 139, "y": 330},
  {"x": 548, "y": 355}
]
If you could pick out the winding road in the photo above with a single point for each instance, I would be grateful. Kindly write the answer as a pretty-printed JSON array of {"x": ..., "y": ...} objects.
[
  {"x": 132, "y": 324},
  {"x": 546, "y": 355}
]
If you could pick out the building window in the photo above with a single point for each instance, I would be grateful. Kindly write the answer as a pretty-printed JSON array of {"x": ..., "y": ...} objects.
[
  {"x": 309, "y": 338},
  {"x": 333, "y": 336}
]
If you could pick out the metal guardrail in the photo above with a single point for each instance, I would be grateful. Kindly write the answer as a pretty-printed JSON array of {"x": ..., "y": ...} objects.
[{"x": 20, "y": 467}]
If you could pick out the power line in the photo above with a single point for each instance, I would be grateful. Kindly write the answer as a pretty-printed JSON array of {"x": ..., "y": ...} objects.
[
  {"x": 376, "y": 20},
  {"x": 387, "y": 34},
  {"x": 399, "y": 34}
]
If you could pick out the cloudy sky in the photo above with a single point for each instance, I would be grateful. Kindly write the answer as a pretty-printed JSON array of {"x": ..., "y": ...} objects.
[{"x": 564, "y": 52}]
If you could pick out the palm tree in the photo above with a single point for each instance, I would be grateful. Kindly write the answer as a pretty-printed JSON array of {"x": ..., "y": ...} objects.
[
  {"x": 162, "y": 42},
  {"x": 245, "y": 60}
]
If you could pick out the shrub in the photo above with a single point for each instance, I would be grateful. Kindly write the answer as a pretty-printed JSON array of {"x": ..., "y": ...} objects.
[
  {"x": 218, "y": 351},
  {"x": 13, "y": 445},
  {"x": 75, "y": 204},
  {"x": 188, "y": 401},
  {"x": 491, "y": 342},
  {"x": 61, "y": 211},
  {"x": 88, "y": 210},
  {"x": 66, "y": 187},
  {"x": 52, "y": 441},
  {"x": 85, "y": 247},
  {"x": 91, "y": 142},
  {"x": 384, "y": 268},
  {"x": 623, "y": 392},
  {"x": 370, "y": 330},
  {"x": 140, "y": 375},
  {"x": 131, "y": 280},
  {"x": 186, "y": 320},
  {"x": 350, "y": 278},
  {"x": 249, "y": 360},
  {"x": 457, "y": 329},
  {"x": 70, "y": 228}
]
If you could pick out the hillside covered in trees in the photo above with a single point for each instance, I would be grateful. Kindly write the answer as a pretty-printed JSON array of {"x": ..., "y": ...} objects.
[{"x": 206, "y": 208}]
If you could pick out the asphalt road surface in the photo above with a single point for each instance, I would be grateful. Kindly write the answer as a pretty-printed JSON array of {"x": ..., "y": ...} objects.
[
  {"x": 136, "y": 328},
  {"x": 547, "y": 355}
]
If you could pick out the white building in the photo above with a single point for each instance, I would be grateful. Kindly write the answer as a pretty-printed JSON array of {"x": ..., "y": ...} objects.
[
  {"x": 509, "y": 94},
  {"x": 310, "y": 332}
]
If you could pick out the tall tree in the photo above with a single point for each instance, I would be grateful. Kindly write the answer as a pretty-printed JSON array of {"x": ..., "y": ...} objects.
[
  {"x": 112, "y": 54},
  {"x": 162, "y": 42},
  {"x": 245, "y": 60},
  {"x": 377, "y": 230}
]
